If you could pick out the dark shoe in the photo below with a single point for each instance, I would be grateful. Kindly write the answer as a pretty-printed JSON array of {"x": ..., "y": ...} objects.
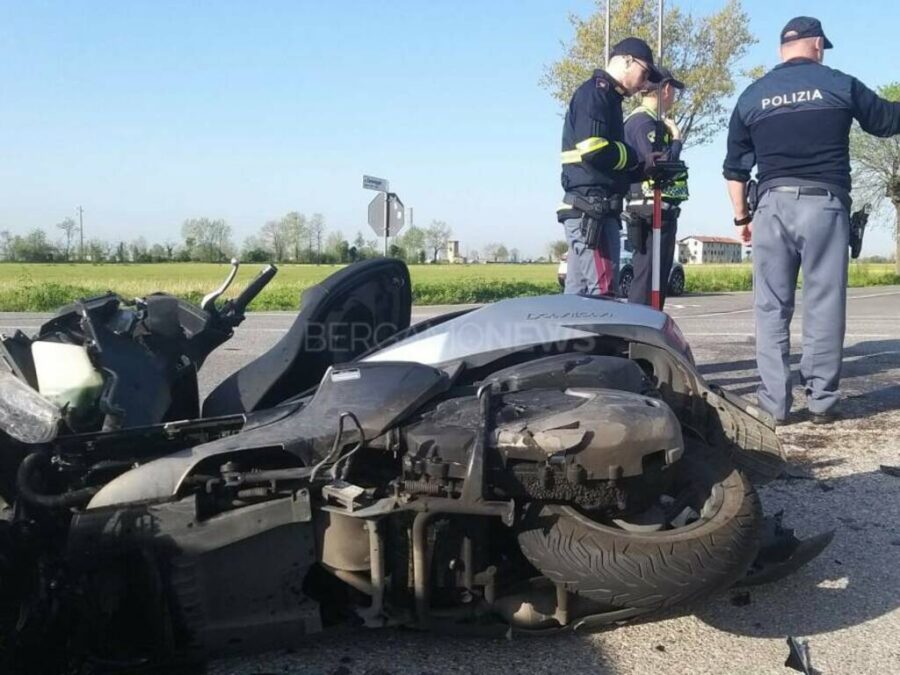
[
  {"x": 824, "y": 417},
  {"x": 786, "y": 421}
]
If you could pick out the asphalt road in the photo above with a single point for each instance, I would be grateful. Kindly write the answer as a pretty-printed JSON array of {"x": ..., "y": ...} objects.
[{"x": 845, "y": 603}]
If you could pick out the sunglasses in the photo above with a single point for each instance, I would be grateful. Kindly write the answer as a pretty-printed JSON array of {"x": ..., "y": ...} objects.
[{"x": 645, "y": 70}]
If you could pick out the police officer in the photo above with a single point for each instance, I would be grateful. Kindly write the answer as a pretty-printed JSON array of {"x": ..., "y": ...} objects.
[
  {"x": 597, "y": 167},
  {"x": 640, "y": 133},
  {"x": 793, "y": 124}
]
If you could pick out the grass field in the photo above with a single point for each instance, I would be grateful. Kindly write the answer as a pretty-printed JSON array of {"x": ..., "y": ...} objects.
[{"x": 44, "y": 287}]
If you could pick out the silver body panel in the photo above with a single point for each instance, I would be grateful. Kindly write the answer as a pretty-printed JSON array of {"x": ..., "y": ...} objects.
[{"x": 481, "y": 335}]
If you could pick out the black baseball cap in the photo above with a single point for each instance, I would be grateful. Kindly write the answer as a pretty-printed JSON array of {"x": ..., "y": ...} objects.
[
  {"x": 665, "y": 75},
  {"x": 804, "y": 27},
  {"x": 639, "y": 49}
]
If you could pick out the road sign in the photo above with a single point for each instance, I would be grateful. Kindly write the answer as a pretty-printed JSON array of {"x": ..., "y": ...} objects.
[
  {"x": 373, "y": 183},
  {"x": 396, "y": 214},
  {"x": 376, "y": 214}
]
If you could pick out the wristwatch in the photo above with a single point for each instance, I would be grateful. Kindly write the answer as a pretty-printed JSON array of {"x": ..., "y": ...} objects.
[{"x": 740, "y": 222}]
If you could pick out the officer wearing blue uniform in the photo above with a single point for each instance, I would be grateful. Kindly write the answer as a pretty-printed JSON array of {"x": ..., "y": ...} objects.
[
  {"x": 793, "y": 124},
  {"x": 641, "y": 127},
  {"x": 598, "y": 166}
]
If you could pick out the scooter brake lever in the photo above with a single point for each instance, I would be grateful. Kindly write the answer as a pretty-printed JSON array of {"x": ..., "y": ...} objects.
[{"x": 209, "y": 300}]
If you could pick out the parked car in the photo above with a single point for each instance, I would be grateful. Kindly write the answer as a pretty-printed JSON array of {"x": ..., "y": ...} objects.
[{"x": 626, "y": 274}]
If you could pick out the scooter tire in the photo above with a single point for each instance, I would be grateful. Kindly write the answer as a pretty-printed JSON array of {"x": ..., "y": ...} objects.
[{"x": 650, "y": 570}]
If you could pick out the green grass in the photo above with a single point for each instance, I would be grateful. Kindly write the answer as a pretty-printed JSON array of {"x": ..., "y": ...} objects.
[{"x": 44, "y": 287}]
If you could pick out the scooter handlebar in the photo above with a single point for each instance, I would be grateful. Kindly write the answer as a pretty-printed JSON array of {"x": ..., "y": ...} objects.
[{"x": 239, "y": 305}]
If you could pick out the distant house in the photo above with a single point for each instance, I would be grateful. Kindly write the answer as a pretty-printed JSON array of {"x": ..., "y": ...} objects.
[
  {"x": 452, "y": 252},
  {"x": 703, "y": 250}
]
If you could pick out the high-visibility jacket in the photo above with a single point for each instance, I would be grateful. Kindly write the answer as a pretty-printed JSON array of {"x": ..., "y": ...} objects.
[
  {"x": 640, "y": 134},
  {"x": 596, "y": 161}
]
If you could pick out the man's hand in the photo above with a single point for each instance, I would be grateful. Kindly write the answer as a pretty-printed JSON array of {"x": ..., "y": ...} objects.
[
  {"x": 650, "y": 162},
  {"x": 674, "y": 131},
  {"x": 746, "y": 233}
]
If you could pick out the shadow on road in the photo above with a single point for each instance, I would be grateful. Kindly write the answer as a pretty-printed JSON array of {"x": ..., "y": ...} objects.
[
  {"x": 863, "y": 363},
  {"x": 406, "y": 652},
  {"x": 854, "y": 580}
]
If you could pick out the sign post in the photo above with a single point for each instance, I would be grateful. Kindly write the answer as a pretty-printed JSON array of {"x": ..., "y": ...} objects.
[
  {"x": 386, "y": 211},
  {"x": 655, "y": 264}
]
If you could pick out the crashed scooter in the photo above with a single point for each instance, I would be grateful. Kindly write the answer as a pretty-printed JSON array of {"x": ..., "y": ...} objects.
[{"x": 530, "y": 466}]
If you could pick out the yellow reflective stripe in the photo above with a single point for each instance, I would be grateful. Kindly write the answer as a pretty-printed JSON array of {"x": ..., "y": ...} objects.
[
  {"x": 571, "y": 157},
  {"x": 678, "y": 190},
  {"x": 623, "y": 157},
  {"x": 591, "y": 144},
  {"x": 563, "y": 207}
]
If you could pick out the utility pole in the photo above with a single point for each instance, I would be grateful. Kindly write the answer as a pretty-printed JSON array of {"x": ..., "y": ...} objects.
[
  {"x": 606, "y": 39},
  {"x": 80, "y": 233}
]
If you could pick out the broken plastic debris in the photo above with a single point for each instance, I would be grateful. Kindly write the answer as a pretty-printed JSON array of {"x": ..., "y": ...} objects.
[
  {"x": 782, "y": 552},
  {"x": 798, "y": 658}
]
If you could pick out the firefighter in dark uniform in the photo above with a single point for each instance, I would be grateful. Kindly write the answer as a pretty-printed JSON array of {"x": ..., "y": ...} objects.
[
  {"x": 598, "y": 166},
  {"x": 640, "y": 133},
  {"x": 793, "y": 124}
]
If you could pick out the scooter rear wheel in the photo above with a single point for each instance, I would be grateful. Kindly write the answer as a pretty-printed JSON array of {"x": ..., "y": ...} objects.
[{"x": 629, "y": 566}]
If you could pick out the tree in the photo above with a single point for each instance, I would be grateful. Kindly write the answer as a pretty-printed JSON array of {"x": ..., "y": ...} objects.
[
  {"x": 876, "y": 171},
  {"x": 68, "y": 226},
  {"x": 557, "y": 249},
  {"x": 275, "y": 237},
  {"x": 5, "y": 244},
  {"x": 703, "y": 51},
  {"x": 97, "y": 250},
  {"x": 316, "y": 232},
  {"x": 514, "y": 255},
  {"x": 138, "y": 250},
  {"x": 33, "y": 247},
  {"x": 436, "y": 236},
  {"x": 412, "y": 241},
  {"x": 295, "y": 229},
  {"x": 207, "y": 240},
  {"x": 336, "y": 247},
  {"x": 254, "y": 251},
  {"x": 157, "y": 253}
]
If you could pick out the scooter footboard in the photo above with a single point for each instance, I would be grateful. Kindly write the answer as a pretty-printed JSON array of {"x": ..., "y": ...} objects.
[{"x": 228, "y": 583}]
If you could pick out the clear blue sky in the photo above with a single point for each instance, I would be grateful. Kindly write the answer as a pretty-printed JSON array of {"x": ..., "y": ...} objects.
[{"x": 148, "y": 113}]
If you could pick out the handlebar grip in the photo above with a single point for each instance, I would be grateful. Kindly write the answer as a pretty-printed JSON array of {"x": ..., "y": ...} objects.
[{"x": 253, "y": 288}]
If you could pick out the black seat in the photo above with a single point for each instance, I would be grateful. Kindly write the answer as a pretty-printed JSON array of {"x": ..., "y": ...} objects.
[{"x": 342, "y": 317}]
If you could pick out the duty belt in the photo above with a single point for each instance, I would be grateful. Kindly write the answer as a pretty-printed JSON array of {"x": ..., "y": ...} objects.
[
  {"x": 594, "y": 206},
  {"x": 666, "y": 206},
  {"x": 802, "y": 190}
]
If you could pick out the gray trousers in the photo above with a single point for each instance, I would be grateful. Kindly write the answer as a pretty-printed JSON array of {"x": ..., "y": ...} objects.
[
  {"x": 593, "y": 271},
  {"x": 790, "y": 233},
  {"x": 642, "y": 264}
]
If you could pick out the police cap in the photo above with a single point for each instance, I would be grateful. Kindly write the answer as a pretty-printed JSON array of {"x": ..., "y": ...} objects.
[
  {"x": 637, "y": 48},
  {"x": 665, "y": 75},
  {"x": 801, "y": 27}
]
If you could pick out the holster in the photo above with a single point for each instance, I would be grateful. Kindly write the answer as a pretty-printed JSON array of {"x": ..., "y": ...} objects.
[
  {"x": 858, "y": 220},
  {"x": 636, "y": 230},
  {"x": 593, "y": 210},
  {"x": 752, "y": 196}
]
